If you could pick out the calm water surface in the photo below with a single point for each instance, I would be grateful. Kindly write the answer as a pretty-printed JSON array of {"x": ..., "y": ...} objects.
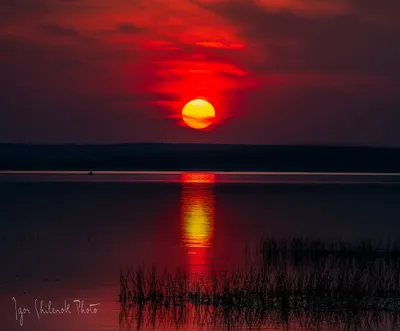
[{"x": 65, "y": 238}]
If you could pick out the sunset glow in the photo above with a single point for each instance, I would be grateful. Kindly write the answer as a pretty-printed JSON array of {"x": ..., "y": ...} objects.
[{"x": 268, "y": 68}]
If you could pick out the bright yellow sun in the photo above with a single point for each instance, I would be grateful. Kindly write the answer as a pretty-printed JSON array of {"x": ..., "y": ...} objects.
[{"x": 198, "y": 114}]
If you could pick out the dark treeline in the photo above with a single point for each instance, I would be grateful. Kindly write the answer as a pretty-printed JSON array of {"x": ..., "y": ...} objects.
[{"x": 198, "y": 157}]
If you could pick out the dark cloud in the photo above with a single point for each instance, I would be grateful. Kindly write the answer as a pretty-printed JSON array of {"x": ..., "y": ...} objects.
[
  {"x": 11, "y": 11},
  {"x": 65, "y": 32},
  {"x": 59, "y": 30},
  {"x": 386, "y": 11},
  {"x": 129, "y": 28},
  {"x": 345, "y": 43},
  {"x": 22, "y": 5}
]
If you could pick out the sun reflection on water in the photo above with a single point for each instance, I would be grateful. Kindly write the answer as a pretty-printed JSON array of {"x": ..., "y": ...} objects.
[{"x": 197, "y": 206}]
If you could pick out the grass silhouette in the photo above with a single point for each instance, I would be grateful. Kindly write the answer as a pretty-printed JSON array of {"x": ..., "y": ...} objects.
[{"x": 281, "y": 279}]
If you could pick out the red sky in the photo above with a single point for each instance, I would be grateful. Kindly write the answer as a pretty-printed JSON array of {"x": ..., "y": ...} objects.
[{"x": 277, "y": 71}]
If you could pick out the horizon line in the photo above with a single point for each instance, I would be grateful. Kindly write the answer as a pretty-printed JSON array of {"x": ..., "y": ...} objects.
[
  {"x": 252, "y": 173},
  {"x": 200, "y": 144}
]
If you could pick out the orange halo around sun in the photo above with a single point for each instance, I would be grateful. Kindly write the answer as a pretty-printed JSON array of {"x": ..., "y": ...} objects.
[{"x": 198, "y": 114}]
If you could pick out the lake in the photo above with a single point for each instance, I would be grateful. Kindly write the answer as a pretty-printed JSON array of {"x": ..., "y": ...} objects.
[{"x": 66, "y": 236}]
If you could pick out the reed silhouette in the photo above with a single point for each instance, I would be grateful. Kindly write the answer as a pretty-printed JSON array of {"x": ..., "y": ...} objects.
[{"x": 299, "y": 280}]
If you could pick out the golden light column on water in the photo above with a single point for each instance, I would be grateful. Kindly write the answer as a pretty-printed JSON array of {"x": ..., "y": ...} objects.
[{"x": 197, "y": 223}]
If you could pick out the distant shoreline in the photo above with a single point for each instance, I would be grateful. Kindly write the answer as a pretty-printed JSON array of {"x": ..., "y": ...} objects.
[
  {"x": 202, "y": 177},
  {"x": 201, "y": 158},
  {"x": 239, "y": 173}
]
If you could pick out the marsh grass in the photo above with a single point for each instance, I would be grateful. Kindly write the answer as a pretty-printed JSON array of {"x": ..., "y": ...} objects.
[
  {"x": 280, "y": 279},
  {"x": 227, "y": 318}
]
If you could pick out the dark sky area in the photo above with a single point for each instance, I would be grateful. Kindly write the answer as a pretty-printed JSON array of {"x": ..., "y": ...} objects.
[{"x": 276, "y": 71}]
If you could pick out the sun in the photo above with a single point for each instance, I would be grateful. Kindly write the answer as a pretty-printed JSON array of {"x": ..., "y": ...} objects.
[{"x": 198, "y": 114}]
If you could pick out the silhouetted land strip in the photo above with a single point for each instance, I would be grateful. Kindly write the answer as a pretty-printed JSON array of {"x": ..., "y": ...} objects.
[
  {"x": 198, "y": 157},
  {"x": 280, "y": 278}
]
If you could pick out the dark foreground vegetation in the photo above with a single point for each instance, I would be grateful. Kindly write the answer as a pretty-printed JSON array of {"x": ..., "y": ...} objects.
[
  {"x": 211, "y": 318},
  {"x": 282, "y": 280},
  {"x": 212, "y": 157}
]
